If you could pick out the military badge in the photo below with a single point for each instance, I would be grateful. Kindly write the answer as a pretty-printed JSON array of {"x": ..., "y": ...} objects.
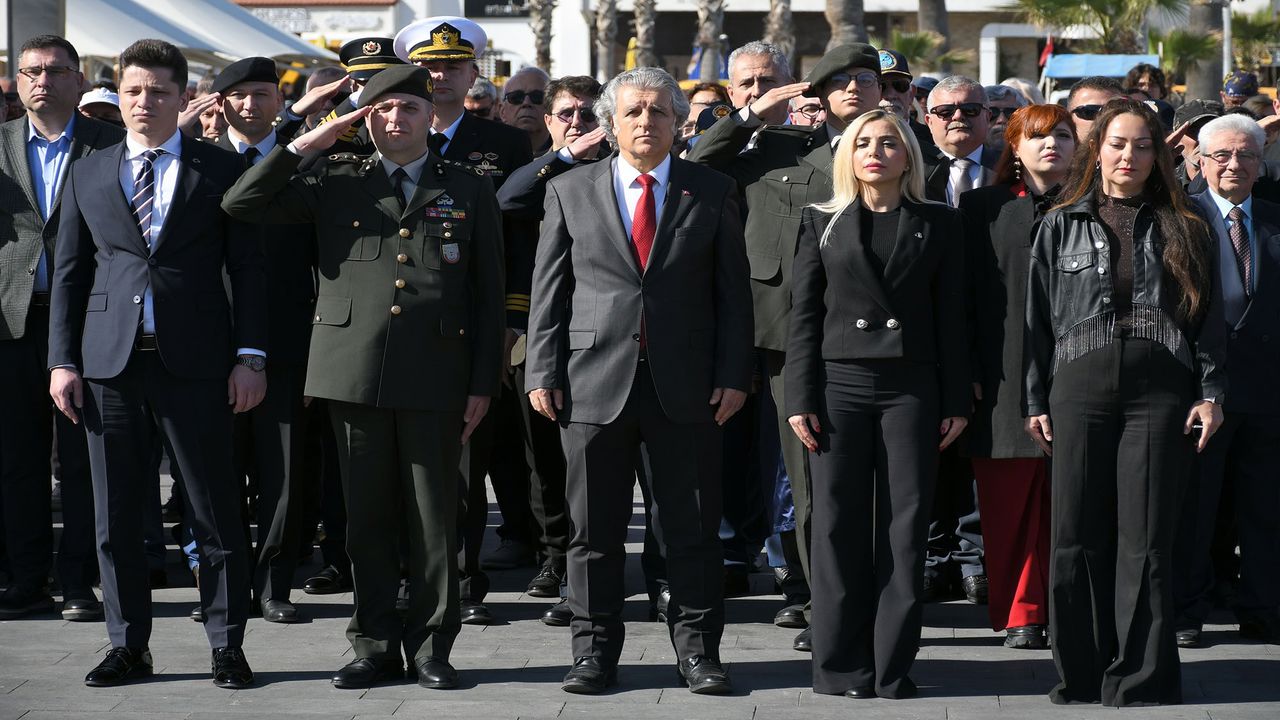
[
  {"x": 445, "y": 200},
  {"x": 451, "y": 253},
  {"x": 887, "y": 61},
  {"x": 373, "y": 47},
  {"x": 475, "y": 157},
  {"x": 721, "y": 110}
]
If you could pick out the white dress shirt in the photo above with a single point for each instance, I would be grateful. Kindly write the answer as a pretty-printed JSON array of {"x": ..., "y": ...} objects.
[
  {"x": 413, "y": 170},
  {"x": 264, "y": 146},
  {"x": 628, "y": 189},
  {"x": 449, "y": 132},
  {"x": 975, "y": 174}
]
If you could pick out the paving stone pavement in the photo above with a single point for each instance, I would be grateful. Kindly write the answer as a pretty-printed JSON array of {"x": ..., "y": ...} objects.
[{"x": 512, "y": 669}]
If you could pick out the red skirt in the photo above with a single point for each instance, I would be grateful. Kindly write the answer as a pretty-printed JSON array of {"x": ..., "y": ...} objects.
[{"x": 1013, "y": 495}]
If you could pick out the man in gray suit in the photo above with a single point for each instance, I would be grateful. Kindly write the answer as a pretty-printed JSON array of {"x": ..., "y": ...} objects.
[
  {"x": 640, "y": 332},
  {"x": 35, "y": 153}
]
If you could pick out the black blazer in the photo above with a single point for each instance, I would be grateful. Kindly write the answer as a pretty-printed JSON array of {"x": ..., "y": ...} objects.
[
  {"x": 290, "y": 252},
  {"x": 937, "y": 171},
  {"x": 590, "y": 297},
  {"x": 103, "y": 268},
  {"x": 998, "y": 230},
  {"x": 1253, "y": 342},
  {"x": 842, "y": 311}
]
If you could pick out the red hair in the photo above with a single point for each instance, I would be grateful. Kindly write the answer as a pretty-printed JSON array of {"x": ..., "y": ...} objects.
[{"x": 1025, "y": 122}]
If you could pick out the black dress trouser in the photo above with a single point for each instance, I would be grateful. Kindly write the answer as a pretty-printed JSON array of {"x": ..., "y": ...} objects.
[
  {"x": 872, "y": 482},
  {"x": 1120, "y": 465}
]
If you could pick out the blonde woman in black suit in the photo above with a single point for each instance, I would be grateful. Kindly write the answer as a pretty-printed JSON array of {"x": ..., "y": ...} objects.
[{"x": 877, "y": 382}]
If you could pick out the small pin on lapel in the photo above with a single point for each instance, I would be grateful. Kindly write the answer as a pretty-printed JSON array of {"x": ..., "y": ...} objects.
[
  {"x": 686, "y": 193},
  {"x": 919, "y": 234}
]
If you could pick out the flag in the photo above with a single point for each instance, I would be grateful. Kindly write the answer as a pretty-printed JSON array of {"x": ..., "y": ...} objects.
[{"x": 1048, "y": 50}]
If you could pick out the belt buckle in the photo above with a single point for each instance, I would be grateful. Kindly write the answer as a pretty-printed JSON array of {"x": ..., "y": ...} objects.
[{"x": 145, "y": 343}]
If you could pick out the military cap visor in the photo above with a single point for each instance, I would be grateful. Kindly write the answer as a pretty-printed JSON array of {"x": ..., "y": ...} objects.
[
  {"x": 401, "y": 79},
  {"x": 845, "y": 57},
  {"x": 250, "y": 69},
  {"x": 363, "y": 58},
  {"x": 441, "y": 38}
]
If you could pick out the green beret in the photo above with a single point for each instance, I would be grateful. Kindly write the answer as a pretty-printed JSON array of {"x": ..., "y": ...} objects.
[
  {"x": 404, "y": 79},
  {"x": 853, "y": 55}
]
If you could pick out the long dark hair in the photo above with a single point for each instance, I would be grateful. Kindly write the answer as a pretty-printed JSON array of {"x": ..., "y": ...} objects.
[
  {"x": 1185, "y": 234},
  {"x": 1028, "y": 121}
]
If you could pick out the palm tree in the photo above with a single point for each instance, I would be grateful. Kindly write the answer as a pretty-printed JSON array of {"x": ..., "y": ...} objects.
[
  {"x": 845, "y": 18},
  {"x": 1120, "y": 24},
  {"x": 710, "y": 29},
  {"x": 1181, "y": 49},
  {"x": 646, "y": 21},
  {"x": 1251, "y": 36},
  {"x": 931, "y": 16},
  {"x": 540, "y": 12},
  {"x": 606, "y": 37},
  {"x": 924, "y": 51},
  {"x": 778, "y": 29},
  {"x": 1204, "y": 76}
]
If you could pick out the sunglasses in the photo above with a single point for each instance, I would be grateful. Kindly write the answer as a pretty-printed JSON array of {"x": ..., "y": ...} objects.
[
  {"x": 900, "y": 86},
  {"x": 566, "y": 116},
  {"x": 517, "y": 97},
  {"x": 1007, "y": 112},
  {"x": 483, "y": 112},
  {"x": 842, "y": 80},
  {"x": 1087, "y": 112},
  {"x": 969, "y": 110}
]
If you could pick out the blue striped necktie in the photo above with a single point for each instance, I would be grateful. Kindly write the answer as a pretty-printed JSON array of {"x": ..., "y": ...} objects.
[{"x": 144, "y": 186}]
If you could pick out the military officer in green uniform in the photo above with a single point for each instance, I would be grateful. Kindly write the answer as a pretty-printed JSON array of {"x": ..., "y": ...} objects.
[
  {"x": 781, "y": 170},
  {"x": 362, "y": 58},
  {"x": 406, "y": 347}
]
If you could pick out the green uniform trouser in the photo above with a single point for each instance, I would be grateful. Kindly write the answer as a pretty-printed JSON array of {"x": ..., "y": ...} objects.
[
  {"x": 794, "y": 457},
  {"x": 400, "y": 469}
]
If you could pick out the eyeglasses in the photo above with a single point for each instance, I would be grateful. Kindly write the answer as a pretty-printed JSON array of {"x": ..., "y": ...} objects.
[
  {"x": 810, "y": 110},
  {"x": 899, "y": 85},
  {"x": 1223, "y": 157},
  {"x": 517, "y": 97},
  {"x": 1087, "y": 112},
  {"x": 944, "y": 112},
  {"x": 842, "y": 80},
  {"x": 1007, "y": 112},
  {"x": 55, "y": 71},
  {"x": 566, "y": 115}
]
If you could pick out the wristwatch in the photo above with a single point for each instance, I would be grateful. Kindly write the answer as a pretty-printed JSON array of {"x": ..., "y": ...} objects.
[{"x": 256, "y": 363}]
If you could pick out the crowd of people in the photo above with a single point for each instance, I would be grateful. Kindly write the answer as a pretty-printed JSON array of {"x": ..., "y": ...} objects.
[{"x": 910, "y": 339}]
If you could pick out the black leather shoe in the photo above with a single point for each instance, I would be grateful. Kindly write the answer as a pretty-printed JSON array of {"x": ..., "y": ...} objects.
[
  {"x": 662, "y": 605},
  {"x": 436, "y": 674},
  {"x": 197, "y": 614},
  {"x": 474, "y": 613},
  {"x": 935, "y": 589},
  {"x": 791, "y": 616},
  {"x": 280, "y": 611},
  {"x": 589, "y": 676},
  {"x": 546, "y": 584},
  {"x": 803, "y": 641},
  {"x": 1027, "y": 637},
  {"x": 975, "y": 589},
  {"x": 328, "y": 581},
  {"x": 860, "y": 693},
  {"x": 558, "y": 615},
  {"x": 231, "y": 669},
  {"x": 704, "y": 676},
  {"x": 120, "y": 666},
  {"x": 1188, "y": 638},
  {"x": 16, "y": 602},
  {"x": 86, "y": 609},
  {"x": 367, "y": 672}
]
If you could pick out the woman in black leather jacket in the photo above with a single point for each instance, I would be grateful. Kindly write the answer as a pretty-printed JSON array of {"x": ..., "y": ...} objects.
[{"x": 1124, "y": 354}]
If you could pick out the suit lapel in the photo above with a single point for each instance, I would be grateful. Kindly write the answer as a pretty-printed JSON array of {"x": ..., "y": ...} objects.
[
  {"x": 378, "y": 185},
  {"x": 15, "y": 149},
  {"x": 427, "y": 189},
  {"x": 122, "y": 204},
  {"x": 821, "y": 156},
  {"x": 82, "y": 138},
  {"x": 907, "y": 247},
  {"x": 606, "y": 204},
  {"x": 856, "y": 254},
  {"x": 190, "y": 169},
  {"x": 464, "y": 141}
]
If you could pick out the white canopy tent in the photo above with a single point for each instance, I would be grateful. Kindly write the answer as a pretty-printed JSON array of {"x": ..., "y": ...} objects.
[{"x": 234, "y": 30}]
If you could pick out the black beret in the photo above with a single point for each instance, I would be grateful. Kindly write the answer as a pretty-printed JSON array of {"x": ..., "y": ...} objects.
[
  {"x": 250, "y": 69},
  {"x": 853, "y": 55},
  {"x": 406, "y": 79}
]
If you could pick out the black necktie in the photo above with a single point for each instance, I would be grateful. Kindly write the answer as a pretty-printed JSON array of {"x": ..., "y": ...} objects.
[
  {"x": 437, "y": 141},
  {"x": 251, "y": 156},
  {"x": 1240, "y": 241},
  {"x": 398, "y": 178},
  {"x": 144, "y": 193}
]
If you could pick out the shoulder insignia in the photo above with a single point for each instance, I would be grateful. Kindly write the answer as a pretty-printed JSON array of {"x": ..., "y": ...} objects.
[{"x": 344, "y": 157}]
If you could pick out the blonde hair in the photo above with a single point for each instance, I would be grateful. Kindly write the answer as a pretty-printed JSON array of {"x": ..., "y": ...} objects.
[{"x": 845, "y": 184}]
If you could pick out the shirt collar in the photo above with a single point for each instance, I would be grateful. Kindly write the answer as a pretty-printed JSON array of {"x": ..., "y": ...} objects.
[
  {"x": 172, "y": 146},
  {"x": 266, "y": 145},
  {"x": 412, "y": 169},
  {"x": 65, "y": 135},
  {"x": 1225, "y": 206},
  {"x": 627, "y": 174},
  {"x": 975, "y": 156},
  {"x": 452, "y": 130}
]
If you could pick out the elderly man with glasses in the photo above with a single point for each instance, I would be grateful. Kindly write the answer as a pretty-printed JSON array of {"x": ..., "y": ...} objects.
[
  {"x": 1004, "y": 101},
  {"x": 522, "y": 100}
]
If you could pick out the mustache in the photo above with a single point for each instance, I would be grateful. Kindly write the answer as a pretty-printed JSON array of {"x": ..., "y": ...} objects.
[{"x": 959, "y": 125}]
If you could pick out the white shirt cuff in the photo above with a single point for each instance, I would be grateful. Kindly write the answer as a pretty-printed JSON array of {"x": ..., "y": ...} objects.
[
  {"x": 250, "y": 351},
  {"x": 564, "y": 154}
]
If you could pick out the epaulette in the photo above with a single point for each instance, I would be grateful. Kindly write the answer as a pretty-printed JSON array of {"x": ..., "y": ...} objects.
[
  {"x": 345, "y": 157},
  {"x": 442, "y": 163}
]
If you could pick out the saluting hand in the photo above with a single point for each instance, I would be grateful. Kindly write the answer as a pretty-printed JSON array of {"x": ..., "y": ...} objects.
[
  {"x": 189, "y": 118},
  {"x": 950, "y": 430},
  {"x": 584, "y": 146},
  {"x": 730, "y": 402},
  {"x": 780, "y": 95},
  {"x": 806, "y": 427},
  {"x": 546, "y": 402},
  {"x": 324, "y": 135},
  {"x": 316, "y": 97},
  {"x": 67, "y": 390},
  {"x": 477, "y": 406}
]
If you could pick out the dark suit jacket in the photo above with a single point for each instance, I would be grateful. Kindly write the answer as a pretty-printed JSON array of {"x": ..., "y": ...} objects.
[
  {"x": 290, "y": 252},
  {"x": 522, "y": 195},
  {"x": 998, "y": 230},
  {"x": 937, "y": 171},
  {"x": 915, "y": 313},
  {"x": 23, "y": 232},
  {"x": 589, "y": 297},
  {"x": 103, "y": 267},
  {"x": 498, "y": 150},
  {"x": 788, "y": 168},
  {"x": 1253, "y": 342}
]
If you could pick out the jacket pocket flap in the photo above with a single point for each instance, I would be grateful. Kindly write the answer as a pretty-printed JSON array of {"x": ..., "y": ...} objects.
[
  {"x": 333, "y": 311},
  {"x": 764, "y": 266},
  {"x": 97, "y": 303},
  {"x": 582, "y": 339},
  {"x": 1076, "y": 262}
]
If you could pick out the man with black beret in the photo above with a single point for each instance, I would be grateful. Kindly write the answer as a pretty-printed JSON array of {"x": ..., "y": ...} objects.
[
  {"x": 269, "y": 439},
  {"x": 406, "y": 348},
  {"x": 788, "y": 168}
]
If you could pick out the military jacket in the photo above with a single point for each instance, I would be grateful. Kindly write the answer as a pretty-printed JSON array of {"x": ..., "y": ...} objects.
[{"x": 409, "y": 313}]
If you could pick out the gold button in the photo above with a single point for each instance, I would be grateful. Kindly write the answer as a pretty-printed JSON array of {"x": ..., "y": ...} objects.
[
  {"x": 355, "y": 223},
  {"x": 395, "y": 309},
  {"x": 404, "y": 232},
  {"x": 448, "y": 224},
  {"x": 462, "y": 332},
  {"x": 448, "y": 234},
  {"x": 399, "y": 282},
  {"x": 402, "y": 258},
  {"x": 317, "y": 318}
]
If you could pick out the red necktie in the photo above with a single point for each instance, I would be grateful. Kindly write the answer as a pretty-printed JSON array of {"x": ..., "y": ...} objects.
[{"x": 644, "y": 221}]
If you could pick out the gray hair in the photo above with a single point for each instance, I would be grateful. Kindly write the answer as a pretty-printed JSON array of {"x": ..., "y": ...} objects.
[
  {"x": 1026, "y": 87},
  {"x": 1000, "y": 93},
  {"x": 756, "y": 48},
  {"x": 644, "y": 78},
  {"x": 482, "y": 88},
  {"x": 1234, "y": 123},
  {"x": 957, "y": 84},
  {"x": 533, "y": 70}
]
